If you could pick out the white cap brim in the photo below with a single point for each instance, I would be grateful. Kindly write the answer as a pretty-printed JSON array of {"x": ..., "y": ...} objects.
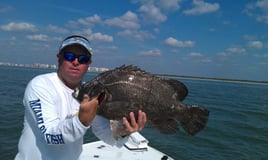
[{"x": 76, "y": 40}]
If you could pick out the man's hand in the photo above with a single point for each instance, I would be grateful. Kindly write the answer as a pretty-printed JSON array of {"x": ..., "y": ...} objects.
[
  {"x": 88, "y": 110},
  {"x": 134, "y": 125}
]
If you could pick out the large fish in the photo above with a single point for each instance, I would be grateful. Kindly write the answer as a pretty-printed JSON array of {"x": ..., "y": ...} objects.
[{"x": 127, "y": 89}]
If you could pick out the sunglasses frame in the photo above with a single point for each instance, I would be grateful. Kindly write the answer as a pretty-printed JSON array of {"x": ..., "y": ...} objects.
[{"x": 70, "y": 57}]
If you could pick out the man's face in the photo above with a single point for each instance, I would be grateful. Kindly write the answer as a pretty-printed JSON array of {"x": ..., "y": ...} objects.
[{"x": 71, "y": 70}]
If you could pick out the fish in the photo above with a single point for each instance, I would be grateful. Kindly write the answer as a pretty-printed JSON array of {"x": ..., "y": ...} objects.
[{"x": 128, "y": 88}]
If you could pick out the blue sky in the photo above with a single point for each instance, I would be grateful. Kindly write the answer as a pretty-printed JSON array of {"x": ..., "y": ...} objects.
[{"x": 207, "y": 38}]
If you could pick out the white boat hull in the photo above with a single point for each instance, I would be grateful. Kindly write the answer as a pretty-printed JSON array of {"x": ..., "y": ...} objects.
[{"x": 101, "y": 151}]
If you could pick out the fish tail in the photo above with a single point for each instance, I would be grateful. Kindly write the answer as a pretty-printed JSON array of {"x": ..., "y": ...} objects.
[{"x": 194, "y": 119}]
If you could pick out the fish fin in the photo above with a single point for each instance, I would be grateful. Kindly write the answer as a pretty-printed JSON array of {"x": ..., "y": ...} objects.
[
  {"x": 168, "y": 126},
  {"x": 179, "y": 87},
  {"x": 195, "y": 119}
]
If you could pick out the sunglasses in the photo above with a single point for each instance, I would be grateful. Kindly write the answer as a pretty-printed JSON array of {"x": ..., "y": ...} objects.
[{"x": 82, "y": 59}]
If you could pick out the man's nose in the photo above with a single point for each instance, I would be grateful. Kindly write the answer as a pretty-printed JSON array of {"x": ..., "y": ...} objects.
[{"x": 75, "y": 62}]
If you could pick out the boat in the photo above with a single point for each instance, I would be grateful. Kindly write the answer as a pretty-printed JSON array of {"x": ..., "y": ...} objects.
[{"x": 136, "y": 148}]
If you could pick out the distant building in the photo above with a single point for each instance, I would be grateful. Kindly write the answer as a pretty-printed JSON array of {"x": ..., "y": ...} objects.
[
  {"x": 95, "y": 69},
  {"x": 49, "y": 66}
]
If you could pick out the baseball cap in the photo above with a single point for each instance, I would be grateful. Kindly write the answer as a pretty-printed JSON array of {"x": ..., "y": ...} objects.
[{"x": 76, "y": 39}]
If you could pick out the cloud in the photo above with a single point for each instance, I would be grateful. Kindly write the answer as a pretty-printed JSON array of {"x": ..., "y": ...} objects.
[
  {"x": 249, "y": 37},
  {"x": 259, "y": 10},
  {"x": 5, "y": 8},
  {"x": 128, "y": 21},
  {"x": 19, "y": 27},
  {"x": 155, "y": 11},
  {"x": 176, "y": 43},
  {"x": 263, "y": 56},
  {"x": 152, "y": 14},
  {"x": 100, "y": 37},
  {"x": 56, "y": 29},
  {"x": 231, "y": 51},
  {"x": 88, "y": 21},
  {"x": 195, "y": 54},
  {"x": 153, "y": 52},
  {"x": 200, "y": 57},
  {"x": 201, "y": 7},
  {"x": 169, "y": 5},
  {"x": 236, "y": 50},
  {"x": 206, "y": 60},
  {"x": 138, "y": 35},
  {"x": 255, "y": 44},
  {"x": 38, "y": 37}
]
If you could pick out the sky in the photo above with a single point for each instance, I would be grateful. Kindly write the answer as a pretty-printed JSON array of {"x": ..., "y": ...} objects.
[{"x": 203, "y": 38}]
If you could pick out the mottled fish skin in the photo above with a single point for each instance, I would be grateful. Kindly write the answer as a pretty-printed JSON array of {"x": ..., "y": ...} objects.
[{"x": 128, "y": 89}]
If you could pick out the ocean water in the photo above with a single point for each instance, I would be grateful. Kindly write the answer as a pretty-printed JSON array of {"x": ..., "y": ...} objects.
[{"x": 237, "y": 128}]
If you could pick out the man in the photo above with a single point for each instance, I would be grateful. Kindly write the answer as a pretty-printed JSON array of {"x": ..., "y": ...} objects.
[{"x": 54, "y": 122}]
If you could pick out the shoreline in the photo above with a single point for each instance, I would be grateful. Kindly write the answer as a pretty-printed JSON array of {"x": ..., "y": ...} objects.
[
  {"x": 99, "y": 70},
  {"x": 214, "y": 79},
  {"x": 48, "y": 66}
]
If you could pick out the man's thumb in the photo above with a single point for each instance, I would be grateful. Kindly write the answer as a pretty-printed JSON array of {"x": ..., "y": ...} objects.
[{"x": 86, "y": 98}]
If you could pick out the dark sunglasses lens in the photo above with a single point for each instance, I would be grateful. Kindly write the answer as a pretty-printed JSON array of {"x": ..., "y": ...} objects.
[
  {"x": 69, "y": 56},
  {"x": 83, "y": 59}
]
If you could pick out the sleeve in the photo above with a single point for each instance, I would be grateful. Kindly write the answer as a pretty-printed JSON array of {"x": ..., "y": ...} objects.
[
  {"x": 101, "y": 129},
  {"x": 39, "y": 100}
]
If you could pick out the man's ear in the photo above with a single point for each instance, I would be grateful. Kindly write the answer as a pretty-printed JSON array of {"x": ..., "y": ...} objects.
[{"x": 58, "y": 57}]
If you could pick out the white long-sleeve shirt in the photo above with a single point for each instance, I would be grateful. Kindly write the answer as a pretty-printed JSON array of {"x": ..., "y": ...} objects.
[{"x": 52, "y": 130}]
